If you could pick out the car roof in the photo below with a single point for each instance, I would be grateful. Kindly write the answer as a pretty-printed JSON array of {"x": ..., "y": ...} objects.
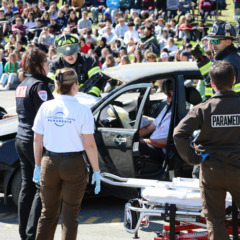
[{"x": 132, "y": 72}]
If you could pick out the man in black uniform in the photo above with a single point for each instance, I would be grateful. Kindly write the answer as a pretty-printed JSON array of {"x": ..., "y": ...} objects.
[
  {"x": 221, "y": 38},
  {"x": 217, "y": 147},
  {"x": 30, "y": 94},
  {"x": 67, "y": 46}
]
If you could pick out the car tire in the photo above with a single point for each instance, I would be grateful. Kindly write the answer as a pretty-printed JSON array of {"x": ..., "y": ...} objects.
[{"x": 16, "y": 186}]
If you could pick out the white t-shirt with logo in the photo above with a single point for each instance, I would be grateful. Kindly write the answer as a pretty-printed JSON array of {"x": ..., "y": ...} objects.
[
  {"x": 62, "y": 121},
  {"x": 162, "y": 125}
]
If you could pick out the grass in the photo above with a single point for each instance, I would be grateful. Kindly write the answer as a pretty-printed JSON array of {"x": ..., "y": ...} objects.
[{"x": 228, "y": 16}]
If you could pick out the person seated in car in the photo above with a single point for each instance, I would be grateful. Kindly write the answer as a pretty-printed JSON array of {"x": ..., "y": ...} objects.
[{"x": 155, "y": 145}]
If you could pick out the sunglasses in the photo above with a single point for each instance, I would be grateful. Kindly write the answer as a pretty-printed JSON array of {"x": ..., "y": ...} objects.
[{"x": 216, "y": 41}]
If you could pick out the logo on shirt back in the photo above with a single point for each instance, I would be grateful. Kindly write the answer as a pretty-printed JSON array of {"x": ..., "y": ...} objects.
[
  {"x": 60, "y": 120},
  {"x": 228, "y": 120}
]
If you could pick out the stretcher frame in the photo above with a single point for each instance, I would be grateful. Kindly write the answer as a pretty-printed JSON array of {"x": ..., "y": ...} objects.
[{"x": 179, "y": 217}]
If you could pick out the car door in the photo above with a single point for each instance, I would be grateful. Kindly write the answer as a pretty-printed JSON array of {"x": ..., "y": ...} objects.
[{"x": 117, "y": 137}]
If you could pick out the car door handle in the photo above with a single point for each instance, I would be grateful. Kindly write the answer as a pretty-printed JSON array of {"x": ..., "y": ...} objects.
[{"x": 120, "y": 140}]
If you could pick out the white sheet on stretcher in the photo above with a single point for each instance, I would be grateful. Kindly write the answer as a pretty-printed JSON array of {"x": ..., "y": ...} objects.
[{"x": 183, "y": 192}]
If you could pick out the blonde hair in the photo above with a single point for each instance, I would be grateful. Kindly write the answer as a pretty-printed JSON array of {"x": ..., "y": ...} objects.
[
  {"x": 137, "y": 20},
  {"x": 64, "y": 80},
  {"x": 14, "y": 62}
]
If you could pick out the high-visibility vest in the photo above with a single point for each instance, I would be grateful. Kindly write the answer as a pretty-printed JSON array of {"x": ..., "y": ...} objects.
[{"x": 209, "y": 90}]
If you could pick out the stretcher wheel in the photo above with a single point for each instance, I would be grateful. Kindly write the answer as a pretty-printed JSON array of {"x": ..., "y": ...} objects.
[
  {"x": 130, "y": 220},
  {"x": 130, "y": 216}
]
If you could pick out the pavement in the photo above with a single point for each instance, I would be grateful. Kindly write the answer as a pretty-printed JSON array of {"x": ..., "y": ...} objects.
[
  {"x": 7, "y": 101},
  {"x": 99, "y": 219}
]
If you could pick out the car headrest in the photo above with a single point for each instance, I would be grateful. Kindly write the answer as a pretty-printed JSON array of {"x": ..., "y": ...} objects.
[{"x": 193, "y": 96}]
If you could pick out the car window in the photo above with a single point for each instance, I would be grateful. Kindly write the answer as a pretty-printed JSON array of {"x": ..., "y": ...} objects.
[{"x": 122, "y": 111}]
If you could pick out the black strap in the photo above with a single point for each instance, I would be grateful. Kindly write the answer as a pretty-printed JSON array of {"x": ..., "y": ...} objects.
[{"x": 172, "y": 221}]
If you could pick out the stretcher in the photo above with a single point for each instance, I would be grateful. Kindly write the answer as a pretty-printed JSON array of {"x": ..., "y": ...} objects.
[{"x": 177, "y": 203}]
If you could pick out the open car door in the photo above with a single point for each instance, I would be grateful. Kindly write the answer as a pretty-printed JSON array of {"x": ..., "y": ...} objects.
[{"x": 117, "y": 123}]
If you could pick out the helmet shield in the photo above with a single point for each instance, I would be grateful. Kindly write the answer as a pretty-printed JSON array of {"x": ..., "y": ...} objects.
[
  {"x": 67, "y": 44},
  {"x": 68, "y": 50}
]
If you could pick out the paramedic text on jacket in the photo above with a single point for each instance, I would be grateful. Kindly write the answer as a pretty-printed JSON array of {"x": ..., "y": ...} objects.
[
  {"x": 85, "y": 66},
  {"x": 217, "y": 147}
]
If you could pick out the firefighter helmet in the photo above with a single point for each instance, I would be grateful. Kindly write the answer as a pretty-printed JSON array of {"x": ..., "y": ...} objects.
[
  {"x": 222, "y": 29},
  {"x": 67, "y": 44}
]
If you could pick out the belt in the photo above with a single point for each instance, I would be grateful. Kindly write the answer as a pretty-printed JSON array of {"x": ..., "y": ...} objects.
[{"x": 49, "y": 153}]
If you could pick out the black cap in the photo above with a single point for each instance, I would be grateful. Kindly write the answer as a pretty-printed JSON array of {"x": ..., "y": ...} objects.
[
  {"x": 188, "y": 45},
  {"x": 186, "y": 54},
  {"x": 16, "y": 12},
  {"x": 131, "y": 24}
]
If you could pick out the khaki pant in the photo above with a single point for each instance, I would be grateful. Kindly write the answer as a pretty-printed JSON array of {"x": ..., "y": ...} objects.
[
  {"x": 63, "y": 183},
  {"x": 216, "y": 178}
]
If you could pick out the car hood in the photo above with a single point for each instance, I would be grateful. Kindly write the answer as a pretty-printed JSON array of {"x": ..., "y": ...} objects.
[
  {"x": 8, "y": 126},
  {"x": 131, "y": 72}
]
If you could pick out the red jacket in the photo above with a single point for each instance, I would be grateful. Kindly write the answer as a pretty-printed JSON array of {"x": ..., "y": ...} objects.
[
  {"x": 206, "y": 5},
  {"x": 184, "y": 27},
  {"x": 85, "y": 48}
]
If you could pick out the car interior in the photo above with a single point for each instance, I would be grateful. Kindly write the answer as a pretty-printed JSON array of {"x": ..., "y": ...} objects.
[{"x": 122, "y": 111}]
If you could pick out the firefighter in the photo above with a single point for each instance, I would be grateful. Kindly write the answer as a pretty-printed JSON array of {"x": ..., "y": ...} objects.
[
  {"x": 221, "y": 38},
  {"x": 85, "y": 66},
  {"x": 216, "y": 147}
]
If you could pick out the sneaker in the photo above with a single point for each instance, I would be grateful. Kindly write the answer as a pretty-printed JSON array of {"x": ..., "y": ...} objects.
[
  {"x": 6, "y": 88},
  {"x": 1, "y": 87}
]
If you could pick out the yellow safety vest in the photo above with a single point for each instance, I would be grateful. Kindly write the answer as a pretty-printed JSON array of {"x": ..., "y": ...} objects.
[{"x": 209, "y": 91}]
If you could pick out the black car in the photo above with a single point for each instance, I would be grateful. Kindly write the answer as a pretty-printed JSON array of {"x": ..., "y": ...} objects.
[{"x": 118, "y": 116}]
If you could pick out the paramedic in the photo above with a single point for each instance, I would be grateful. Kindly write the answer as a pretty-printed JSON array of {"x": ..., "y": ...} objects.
[
  {"x": 85, "y": 66},
  {"x": 61, "y": 171},
  {"x": 30, "y": 94},
  {"x": 217, "y": 147},
  {"x": 155, "y": 146}
]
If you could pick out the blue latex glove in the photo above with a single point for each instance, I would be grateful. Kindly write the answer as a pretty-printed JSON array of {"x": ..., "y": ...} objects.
[
  {"x": 97, "y": 181},
  {"x": 36, "y": 174},
  {"x": 204, "y": 156}
]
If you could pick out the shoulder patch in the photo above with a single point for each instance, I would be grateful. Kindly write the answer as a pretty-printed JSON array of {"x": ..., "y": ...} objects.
[
  {"x": 21, "y": 92},
  {"x": 43, "y": 95}
]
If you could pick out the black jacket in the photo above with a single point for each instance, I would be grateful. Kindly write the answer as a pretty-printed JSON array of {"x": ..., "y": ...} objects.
[
  {"x": 219, "y": 122},
  {"x": 82, "y": 66},
  {"x": 230, "y": 54},
  {"x": 30, "y": 95}
]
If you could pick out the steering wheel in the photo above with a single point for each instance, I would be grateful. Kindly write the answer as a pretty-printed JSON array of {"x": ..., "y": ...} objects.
[{"x": 116, "y": 115}]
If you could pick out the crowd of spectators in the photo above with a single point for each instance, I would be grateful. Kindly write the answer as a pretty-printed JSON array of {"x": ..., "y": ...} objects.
[{"x": 114, "y": 32}]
